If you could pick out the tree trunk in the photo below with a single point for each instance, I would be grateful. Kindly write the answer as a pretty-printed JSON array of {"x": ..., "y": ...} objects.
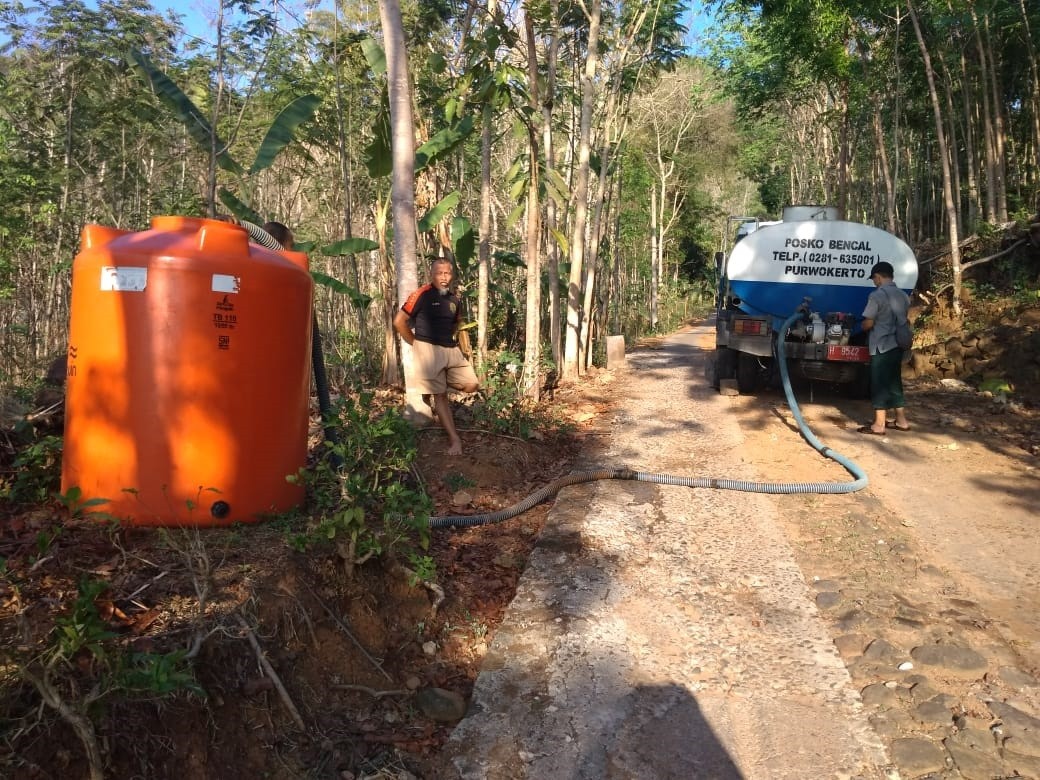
[
  {"x": 999, "y": 139},
  {"x": 951, "y": 121},
  {"x": 886, "y": 173},
  {"x": 655, "y": 272},
  {"x": 1034, "y": 73},
  {"x": 211, "y": 171},
  {"x": 616, "y": 254},
  {"x": 533, "y": 333},
  {"x": 484, "y": 245},
  {"x": 987, "y": 127},
  {"x": 581, "y": 196},
  {"x": 971, "y": 162},
  {"x": 345, "y": 179},
  {"x": 402, "y": 193},
  {"x": 944, "y": 155},
  {"x": 551, "y": 219},
  {"x": 843, "y": 153}
]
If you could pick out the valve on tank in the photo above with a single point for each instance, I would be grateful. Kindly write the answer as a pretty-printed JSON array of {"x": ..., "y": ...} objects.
[
  {"x": 817, "y": 329},
  {"x": 811, "y": 329}
]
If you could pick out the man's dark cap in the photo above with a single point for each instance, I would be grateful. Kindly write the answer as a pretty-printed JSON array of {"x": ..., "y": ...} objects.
[{"x": 883, "y": 268}]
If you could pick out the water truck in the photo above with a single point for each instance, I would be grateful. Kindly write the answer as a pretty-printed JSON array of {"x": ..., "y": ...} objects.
[{"x": 809, "y": 261}]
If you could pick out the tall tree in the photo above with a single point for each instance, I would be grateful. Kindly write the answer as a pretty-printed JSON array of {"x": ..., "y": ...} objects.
[
  {"x": 402, "y": 197},
  {"x": 579, "y": 218},
  {"x": 533, "y": 337},
  {"x": 944, "y": 158}
]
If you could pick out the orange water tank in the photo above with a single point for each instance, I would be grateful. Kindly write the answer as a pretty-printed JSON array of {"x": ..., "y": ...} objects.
[{"x": 188, "y": 373}]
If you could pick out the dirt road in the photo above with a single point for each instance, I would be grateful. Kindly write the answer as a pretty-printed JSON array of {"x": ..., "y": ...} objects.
[{"x": 666, "y": 632}]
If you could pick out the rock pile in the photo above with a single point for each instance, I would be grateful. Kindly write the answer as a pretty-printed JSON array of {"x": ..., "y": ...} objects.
[{"x": 1011, "y": 351}]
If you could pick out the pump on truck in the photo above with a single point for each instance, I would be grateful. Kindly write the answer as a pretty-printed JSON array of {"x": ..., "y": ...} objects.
[{"x": 809, "y": 261}]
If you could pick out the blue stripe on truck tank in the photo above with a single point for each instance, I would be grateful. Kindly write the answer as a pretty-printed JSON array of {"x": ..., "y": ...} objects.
[
  {"x": 772, "y": 298},
  {"x": 775, "y": 268}
]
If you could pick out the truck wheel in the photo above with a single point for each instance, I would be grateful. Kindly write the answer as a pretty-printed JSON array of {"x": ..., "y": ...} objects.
[
  {"x": 725, "y": 365},
  {"x": 747, "y": 373}
]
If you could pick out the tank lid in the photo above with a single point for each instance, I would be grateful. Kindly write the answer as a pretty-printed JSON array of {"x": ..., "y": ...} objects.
[
  {"x": 807, "y": 213},
  {"x": 214, "y": 236}
]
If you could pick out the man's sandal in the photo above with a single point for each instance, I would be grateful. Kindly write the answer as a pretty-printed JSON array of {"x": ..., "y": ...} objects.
[{"x": 868, "y": 429}]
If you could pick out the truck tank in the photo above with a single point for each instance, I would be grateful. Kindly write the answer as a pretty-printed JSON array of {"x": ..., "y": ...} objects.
[
  {"x": 775, "y": 268},
  {"x": 813, "y": 262}
]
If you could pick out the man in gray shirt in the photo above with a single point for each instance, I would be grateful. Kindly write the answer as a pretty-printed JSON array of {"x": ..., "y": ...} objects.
[{"x": 886, "y": 307}]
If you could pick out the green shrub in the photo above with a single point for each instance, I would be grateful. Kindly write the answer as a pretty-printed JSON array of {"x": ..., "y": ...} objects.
[
  {"x": 37, "y": 472},
  {"x": 359, "y": 499}
]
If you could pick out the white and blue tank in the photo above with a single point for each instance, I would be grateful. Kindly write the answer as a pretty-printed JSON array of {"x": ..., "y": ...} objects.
[{"x": 812, "y": 254}]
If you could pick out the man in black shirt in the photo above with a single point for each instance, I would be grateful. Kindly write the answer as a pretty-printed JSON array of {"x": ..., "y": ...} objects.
[{"x": 428, "y": 321}]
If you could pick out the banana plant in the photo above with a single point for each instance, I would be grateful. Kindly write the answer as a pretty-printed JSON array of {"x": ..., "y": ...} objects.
[
  {"x": 349, "y": 246},
  {"x": 378, "y": 157},
  {"x": 280, "y": 134}
]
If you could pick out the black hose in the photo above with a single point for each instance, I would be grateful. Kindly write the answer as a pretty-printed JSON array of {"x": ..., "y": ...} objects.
[
  {"x": 783, "y": 488},
  {"x": 321, "y": 379},
  {"x": 321, "y": 386}
]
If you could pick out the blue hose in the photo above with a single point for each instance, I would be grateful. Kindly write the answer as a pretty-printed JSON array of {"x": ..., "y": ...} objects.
[{"x": 781, "y": 488}]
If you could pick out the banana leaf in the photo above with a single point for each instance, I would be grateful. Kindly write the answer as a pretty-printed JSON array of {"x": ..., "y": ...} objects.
[
  {"x": 359, "y": 299},
  {"x": 462, "y": 241},
  {"x": 238, "y": 208},
  {"x": 511, "y": 259},
  {"x": 283, "y": 130},
  {"x": 349, "y": 246},
  {"x": 442, "y": 143},
  {"x": 438, "y": 212},
  {"x": 184, "y": 109},
  {"x": 378, "y": 156},
  {"x": 374, "y": 55}
]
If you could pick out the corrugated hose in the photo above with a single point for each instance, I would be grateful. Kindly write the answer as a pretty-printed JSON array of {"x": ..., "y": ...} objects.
[{"x": 783, "y": 488}]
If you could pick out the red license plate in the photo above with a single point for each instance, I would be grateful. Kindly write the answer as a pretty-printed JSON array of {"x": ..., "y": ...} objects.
[{"x": 848, "y": 354}]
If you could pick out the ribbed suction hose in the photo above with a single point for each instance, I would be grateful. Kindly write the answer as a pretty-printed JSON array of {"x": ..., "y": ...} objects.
[{"x": 785, "y": 488}]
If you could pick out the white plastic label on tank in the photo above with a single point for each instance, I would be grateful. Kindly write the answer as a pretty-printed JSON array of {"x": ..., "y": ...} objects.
[
  {"x": 224, "y": 283},
  {"x": 123, "y": 278}
]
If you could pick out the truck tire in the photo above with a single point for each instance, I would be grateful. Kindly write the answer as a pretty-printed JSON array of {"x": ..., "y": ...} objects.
[
  {"x": 747, "y": 373},
  {"x": 725, "y": 365}
]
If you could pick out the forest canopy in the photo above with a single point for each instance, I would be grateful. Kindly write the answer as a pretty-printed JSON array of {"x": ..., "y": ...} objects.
[{"x": 574, "y": 160}]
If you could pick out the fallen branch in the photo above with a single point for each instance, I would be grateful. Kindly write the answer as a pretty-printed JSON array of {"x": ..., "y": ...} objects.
[
  {"x": 147, "y": 585},
  {"x": 45, "y": 412},
  {"x": 371, "y": 691},
  {"x": 80, "y": 724},
  {"x": 350, "y": 636},
  {"x": 963, "y": 245},
  {"x": 433, "y": 587},
  {"x": 981, "y": 260},
  {"x": 271, "y": 673},
  {"x": 485, "y": 433}
]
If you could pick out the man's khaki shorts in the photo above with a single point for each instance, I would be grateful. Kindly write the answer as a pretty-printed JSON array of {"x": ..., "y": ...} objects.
[{"x": 436, "y": 368}]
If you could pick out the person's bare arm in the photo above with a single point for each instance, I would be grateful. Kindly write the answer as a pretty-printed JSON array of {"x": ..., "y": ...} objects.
[
  {"x": 867, "y": 323},
  {"x": 401, "y": 326}
]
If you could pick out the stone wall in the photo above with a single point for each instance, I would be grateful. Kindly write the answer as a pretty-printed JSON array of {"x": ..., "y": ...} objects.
[{"x": 1009, "y": 351}]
